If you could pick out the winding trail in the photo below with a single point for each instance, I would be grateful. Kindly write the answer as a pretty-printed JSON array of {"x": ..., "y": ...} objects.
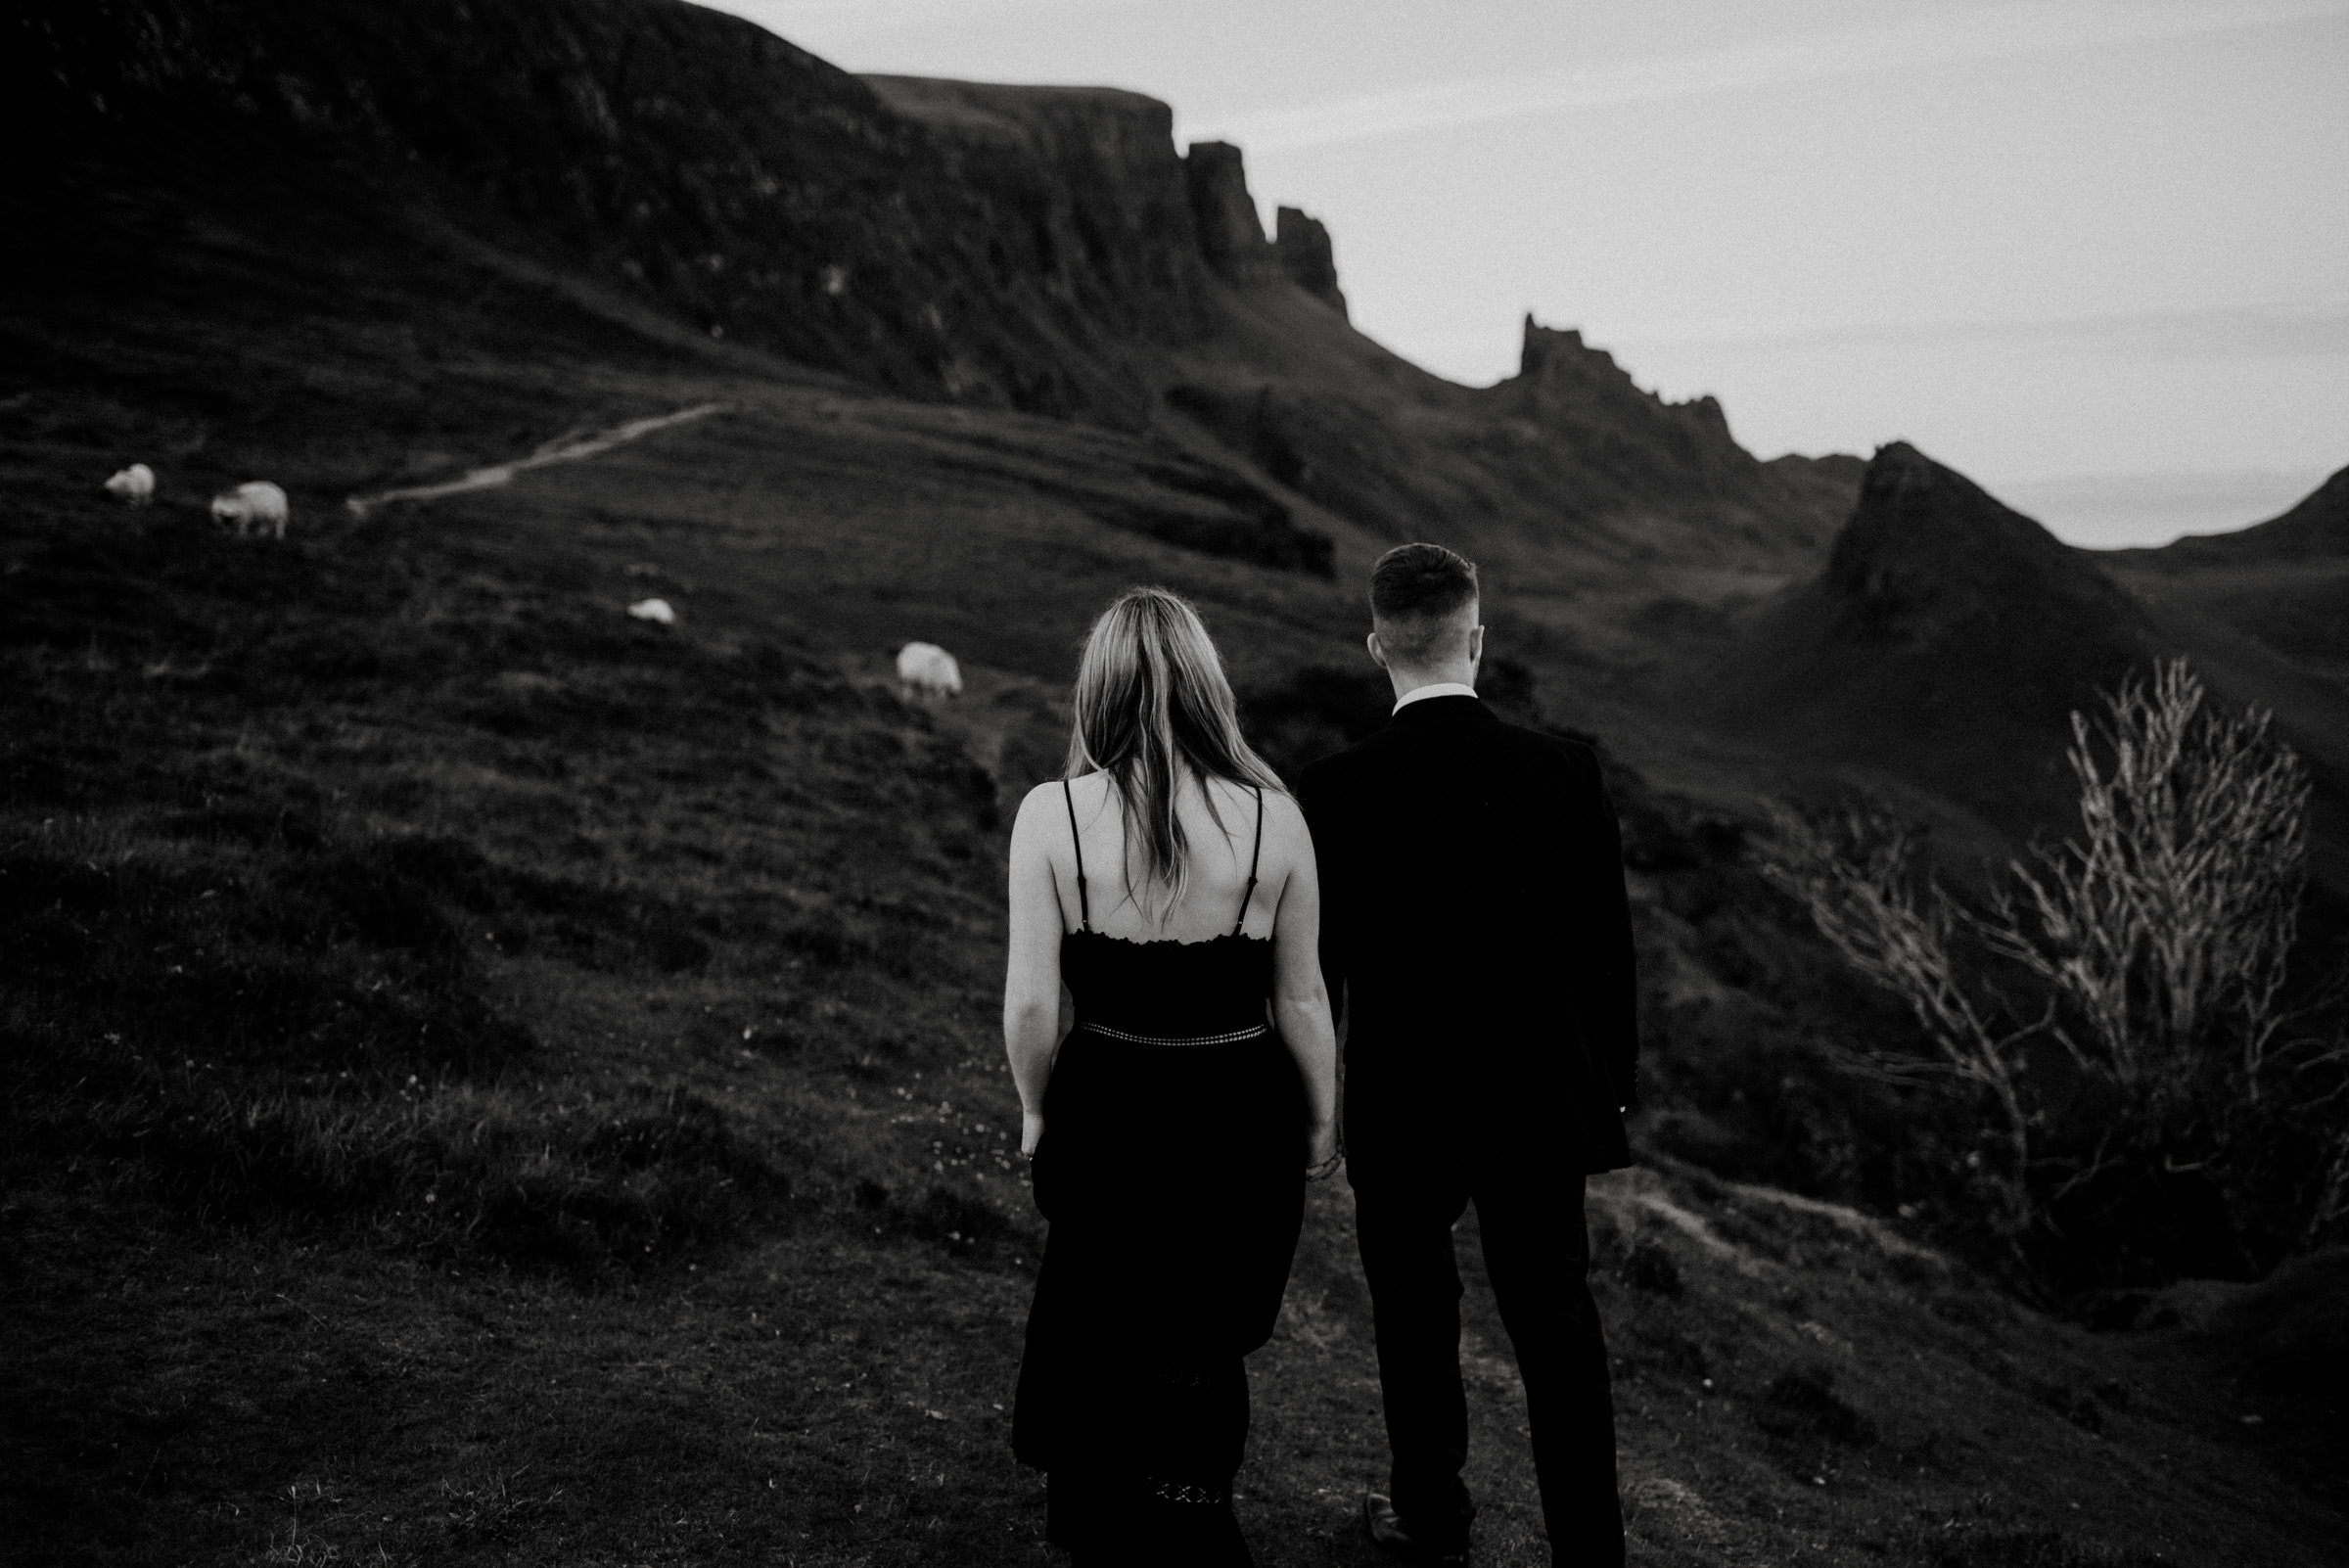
[{"x": 561, "y": 450}]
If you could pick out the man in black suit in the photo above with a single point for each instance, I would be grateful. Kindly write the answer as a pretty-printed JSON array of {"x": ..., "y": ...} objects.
[{"x": 1475, "y": 937}]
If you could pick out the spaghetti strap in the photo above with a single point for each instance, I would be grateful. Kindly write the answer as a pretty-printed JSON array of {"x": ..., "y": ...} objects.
[
  {"x": 1255, "y": 858},
  {"x": 1084, "y": 910}
]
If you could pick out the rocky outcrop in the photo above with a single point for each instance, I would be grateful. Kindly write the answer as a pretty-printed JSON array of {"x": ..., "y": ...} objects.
[
  {"x": 1555, "y": 366},
  {"x": 1947, "y": 640},
  {"x": 1306, "y": 255},
  {"x": 1549, "y": 357},
  {"x": 1929, "y": 556},
  {"x": 1230, "y": 235},
  {"x": 1581, "y": 393},
  {"x": 1232, "y": 240}
]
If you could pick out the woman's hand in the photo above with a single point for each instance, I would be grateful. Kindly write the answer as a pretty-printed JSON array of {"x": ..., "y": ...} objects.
[{"x": 1031, "y": 1132}]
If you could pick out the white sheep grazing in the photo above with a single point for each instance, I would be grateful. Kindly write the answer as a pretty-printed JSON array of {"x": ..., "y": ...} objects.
[
  {"x": 925, "y": 669},
  {"x": 135, "y": 485},
  {"x": 257, "y": 506},
  {"x": 654, "y": 610}
]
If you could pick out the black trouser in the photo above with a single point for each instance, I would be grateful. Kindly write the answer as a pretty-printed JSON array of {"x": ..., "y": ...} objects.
[{"x": 1538, "y": 1253}]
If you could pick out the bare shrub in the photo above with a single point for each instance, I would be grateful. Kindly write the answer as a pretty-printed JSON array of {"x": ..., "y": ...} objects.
[
  {"x": 1856, "y": 872},
  {"x": 2169, "y": 919},
  {"x": 2118, "y": 1004}
]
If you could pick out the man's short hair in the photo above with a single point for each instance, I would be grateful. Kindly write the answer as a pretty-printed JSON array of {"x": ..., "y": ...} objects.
[{"x": 1416, "y": 592}]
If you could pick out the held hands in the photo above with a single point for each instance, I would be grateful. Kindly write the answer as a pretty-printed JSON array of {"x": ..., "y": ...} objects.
[
  {"x": 1031, "y": 1132},
  {"x": 1321, "y": 1154}
]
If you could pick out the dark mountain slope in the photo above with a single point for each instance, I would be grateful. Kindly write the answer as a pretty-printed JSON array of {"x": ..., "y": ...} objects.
[
  {"x": 379, "y": 214},
  {"x": 1945, "y": 642},
  {"x": 2264, "y": 612},
  {"x": 1948, "y": 639},
  {"x": 2285, "y": 582},
  {"x": 673, "y": 152},
  {"x": 1567, "y": 474},
  {"x": 1042, "y": 249},
  {"x": 2316, "y": 527}
]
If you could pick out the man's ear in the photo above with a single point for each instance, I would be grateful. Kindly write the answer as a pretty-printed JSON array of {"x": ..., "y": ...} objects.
[
  {"x": 1378, "y": 652},
  {"x": 1476, "y": 647}
]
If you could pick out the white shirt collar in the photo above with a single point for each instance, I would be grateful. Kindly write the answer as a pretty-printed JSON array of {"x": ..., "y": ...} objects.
[{"x": 1442, "y": 688}]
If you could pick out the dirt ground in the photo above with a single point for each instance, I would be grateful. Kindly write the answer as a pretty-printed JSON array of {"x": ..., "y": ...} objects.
[{"x": 1811, "y": 1391}]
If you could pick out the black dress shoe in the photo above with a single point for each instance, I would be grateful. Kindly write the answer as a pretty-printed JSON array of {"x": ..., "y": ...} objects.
[{"x": 1389, "y": 1533}]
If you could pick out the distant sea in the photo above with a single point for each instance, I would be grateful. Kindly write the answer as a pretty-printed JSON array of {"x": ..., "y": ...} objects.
[{"x": 2115, "y": 511}]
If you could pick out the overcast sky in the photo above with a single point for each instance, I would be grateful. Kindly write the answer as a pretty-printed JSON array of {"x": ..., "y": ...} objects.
[{"x": 2092, "y": 253}]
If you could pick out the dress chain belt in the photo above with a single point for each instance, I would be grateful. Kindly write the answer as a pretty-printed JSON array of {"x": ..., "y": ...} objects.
[{"x": 1131, "y": 1039}]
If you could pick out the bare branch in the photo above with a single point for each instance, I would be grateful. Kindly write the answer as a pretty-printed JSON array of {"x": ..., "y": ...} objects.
[{"x": 2151, "y": 948}]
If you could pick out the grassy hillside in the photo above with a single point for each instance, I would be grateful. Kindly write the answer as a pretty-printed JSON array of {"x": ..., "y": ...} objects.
[{"x": 491, "y": 1079}]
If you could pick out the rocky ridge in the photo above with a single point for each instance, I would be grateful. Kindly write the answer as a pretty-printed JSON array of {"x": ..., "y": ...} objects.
[{"x": 1035, "y": 249}]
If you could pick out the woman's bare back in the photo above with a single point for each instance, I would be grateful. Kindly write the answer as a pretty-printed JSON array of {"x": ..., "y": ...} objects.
[{"x": 1220, "y": 852}]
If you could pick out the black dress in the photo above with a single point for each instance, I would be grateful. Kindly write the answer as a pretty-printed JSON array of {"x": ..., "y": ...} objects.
[{"x": 1170, "y": 1169}]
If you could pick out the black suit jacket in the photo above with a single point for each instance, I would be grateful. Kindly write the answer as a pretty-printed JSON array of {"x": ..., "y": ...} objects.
[{"x": 1475, "y": 932}]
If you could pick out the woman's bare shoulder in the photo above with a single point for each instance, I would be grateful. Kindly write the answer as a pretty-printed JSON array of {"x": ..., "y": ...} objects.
[
  {"x": 1285, "y": 832},
  {"x": 1083, "y": 786},
  {"x": 1039, "y": 807}
]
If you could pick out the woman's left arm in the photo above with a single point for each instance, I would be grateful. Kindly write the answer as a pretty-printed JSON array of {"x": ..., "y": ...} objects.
[{"x": 1299, "y": 1000}]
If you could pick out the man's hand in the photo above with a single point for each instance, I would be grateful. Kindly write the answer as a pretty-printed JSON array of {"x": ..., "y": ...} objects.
[
  {"x": 1031, "y": 1132},
  {"x": 1320, "y": 1150}
]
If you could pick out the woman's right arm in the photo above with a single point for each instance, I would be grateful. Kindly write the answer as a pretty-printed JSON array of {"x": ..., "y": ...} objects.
[{"x": 1032, "y": 978}]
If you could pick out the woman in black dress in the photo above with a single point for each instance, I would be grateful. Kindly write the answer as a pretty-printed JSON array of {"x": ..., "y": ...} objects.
[{"x": 1168, "y": 883}]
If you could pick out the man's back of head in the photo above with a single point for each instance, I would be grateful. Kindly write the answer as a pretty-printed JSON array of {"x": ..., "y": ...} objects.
[{"x": 1424, "y": 609}]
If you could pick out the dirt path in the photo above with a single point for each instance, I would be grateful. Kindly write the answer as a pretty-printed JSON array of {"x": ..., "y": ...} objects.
[{"x": 563, "y": 450}]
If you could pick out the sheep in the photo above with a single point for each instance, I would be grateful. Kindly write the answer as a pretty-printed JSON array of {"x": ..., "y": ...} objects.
[
  {"x": 255, "y": 506},
  {"x": 925, "y": 669},
  {"x": 654, "y": 610},
  {"x": 135, "y": 485}
]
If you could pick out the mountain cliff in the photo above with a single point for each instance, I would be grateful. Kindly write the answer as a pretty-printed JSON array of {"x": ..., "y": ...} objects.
[
  {"x": 1035, "y": 249},
  {"x": 1001, "y": 245}
]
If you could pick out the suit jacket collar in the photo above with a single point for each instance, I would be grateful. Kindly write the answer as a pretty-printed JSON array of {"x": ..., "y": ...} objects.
[{"x": 1442, "y": 711}]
